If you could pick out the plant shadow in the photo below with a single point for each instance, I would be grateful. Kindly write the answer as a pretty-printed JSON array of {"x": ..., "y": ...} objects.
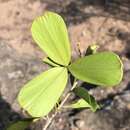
[
  {"x": 77, "y": 11},
  {"x": 7, "y": 114}
]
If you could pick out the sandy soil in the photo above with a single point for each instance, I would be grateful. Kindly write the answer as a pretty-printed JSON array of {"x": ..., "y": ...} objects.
[{"x": 102, "y": 22}]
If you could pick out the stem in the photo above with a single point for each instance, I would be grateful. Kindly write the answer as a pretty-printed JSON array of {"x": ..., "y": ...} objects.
[{"x": 49, "y": 121}]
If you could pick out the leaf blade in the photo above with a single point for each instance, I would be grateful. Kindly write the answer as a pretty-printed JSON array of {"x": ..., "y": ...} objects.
[
  {"x": 20, "y": 125},
  {"x": 40, "y": 95},
  {"x": 81, "y": 103},
  {"x": 86, "y": 100},
  {"x": 50, "y": 33},
  {"x": 103, "y": 68}
]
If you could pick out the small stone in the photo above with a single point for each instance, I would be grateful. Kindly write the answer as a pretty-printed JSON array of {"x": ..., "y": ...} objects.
[
  {"x": 80, "y": 123},
  {"x": 15, "y": 75}
]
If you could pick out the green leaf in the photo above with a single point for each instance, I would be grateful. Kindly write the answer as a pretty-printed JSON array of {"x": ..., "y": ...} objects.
[
  {"x": 86, "y": 101},
  {"x": 81, "y": 103},
  {"x": 49, "y": 62},
  {"x": 103, "y": 69},
  {"x": 41, "y": 94},
  {"x": 20, "y": 125},
  {"x": 50, "y": 33}
]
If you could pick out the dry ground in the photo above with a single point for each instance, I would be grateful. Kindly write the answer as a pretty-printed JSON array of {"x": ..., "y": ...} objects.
[{"x": 104, "y": 22}]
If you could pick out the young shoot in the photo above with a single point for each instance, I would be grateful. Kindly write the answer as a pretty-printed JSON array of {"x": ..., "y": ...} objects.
[{"x": 40, "y": 95}]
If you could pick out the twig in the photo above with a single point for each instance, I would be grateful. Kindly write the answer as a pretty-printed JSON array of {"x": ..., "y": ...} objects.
[{"x": 59, "y": 107}]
